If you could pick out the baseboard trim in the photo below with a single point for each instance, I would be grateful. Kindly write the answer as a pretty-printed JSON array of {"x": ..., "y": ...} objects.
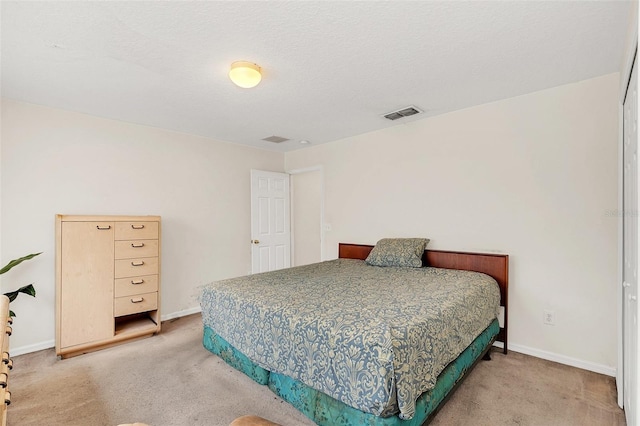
[
  {"x": 52, "y": 343},
  {"x": 182, "y": 313},
  {"x": 561, "y": 359},
  {"x": 32, "y": 348},
  {"x": 538, "y": 353}
]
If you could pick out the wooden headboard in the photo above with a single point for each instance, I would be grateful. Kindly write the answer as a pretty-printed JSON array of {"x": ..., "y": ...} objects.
[{"x": 494, "y": 265}]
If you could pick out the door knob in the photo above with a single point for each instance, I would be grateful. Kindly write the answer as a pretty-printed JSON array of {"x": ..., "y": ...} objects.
[
  {"x": 255, "y": 241},
  {"x": 626, "y": 284},
  {"x": 633, "y": 298}
]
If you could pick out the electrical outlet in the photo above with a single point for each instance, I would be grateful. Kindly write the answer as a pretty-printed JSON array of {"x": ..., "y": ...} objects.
[{"x": 549, "y": 317}]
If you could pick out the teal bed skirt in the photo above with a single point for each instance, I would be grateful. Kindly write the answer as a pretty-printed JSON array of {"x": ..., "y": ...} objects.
[{"x": 327, "y": 411}]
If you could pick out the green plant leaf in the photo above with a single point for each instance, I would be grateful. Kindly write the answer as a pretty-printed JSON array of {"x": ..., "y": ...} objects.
[
  {"x": 11, "y": 313},
  {"x": 15, "y": 262},
  {"x": 27, "y": 289}
]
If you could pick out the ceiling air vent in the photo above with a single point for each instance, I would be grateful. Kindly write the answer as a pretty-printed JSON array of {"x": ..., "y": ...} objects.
[
  {"x": 404, "y": 112},
  {"x": 275, "y": 139}
]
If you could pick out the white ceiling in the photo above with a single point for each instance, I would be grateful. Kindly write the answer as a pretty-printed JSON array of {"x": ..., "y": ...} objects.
[{"x": 331, "y": 69}]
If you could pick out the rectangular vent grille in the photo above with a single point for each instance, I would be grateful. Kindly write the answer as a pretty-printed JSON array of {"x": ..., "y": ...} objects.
[
  {"x": 404, "y": 112},
  {"x": 275, "y": 139}
]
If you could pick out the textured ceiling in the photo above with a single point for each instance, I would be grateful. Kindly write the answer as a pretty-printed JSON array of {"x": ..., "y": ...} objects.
[{"x": 331, "y": 69}]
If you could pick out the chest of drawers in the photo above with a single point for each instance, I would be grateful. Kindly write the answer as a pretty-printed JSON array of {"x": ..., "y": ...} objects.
[{"x": 107, "y": 281}]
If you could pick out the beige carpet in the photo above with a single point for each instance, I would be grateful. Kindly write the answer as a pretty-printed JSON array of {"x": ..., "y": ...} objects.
[{"x": 171, "y": 380}]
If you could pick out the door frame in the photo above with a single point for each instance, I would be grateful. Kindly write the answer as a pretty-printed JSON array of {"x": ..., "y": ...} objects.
[
  {"x": 626, "y": 77},
  {"x": 320, "y": 169}
]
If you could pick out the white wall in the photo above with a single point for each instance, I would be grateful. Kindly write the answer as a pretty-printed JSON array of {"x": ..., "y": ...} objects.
[
  {"x": 55, "y": 161},
  {"x": 533, "y": 176},
  {"x": 306, "y": 202},
  {"x": 631, "y": 40}
]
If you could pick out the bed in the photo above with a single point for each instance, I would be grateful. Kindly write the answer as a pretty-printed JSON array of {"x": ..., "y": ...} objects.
[{"x": 353, "y": 344}]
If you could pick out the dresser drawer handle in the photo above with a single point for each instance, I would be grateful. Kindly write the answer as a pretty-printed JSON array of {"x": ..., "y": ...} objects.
[
  {"x": 137, "y": 263},
  {"x": 10, "y": 364},
  {"x": 103, "y": 228},
  {"x": 136, "y": 282},
  {"x": 137, "y": 300},
  {"x": 10, "y": 320},
  {"x": 137, "y": 226},
  {"x": 8, "y": 330},
  {"x": 3, "y": 380},
  {"x": 137, "y": 245},
  {"x": 7, "y": 397}
]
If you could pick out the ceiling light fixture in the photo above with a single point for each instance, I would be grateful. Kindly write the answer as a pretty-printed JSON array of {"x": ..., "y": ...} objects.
[{"x": 245, "y": 74}]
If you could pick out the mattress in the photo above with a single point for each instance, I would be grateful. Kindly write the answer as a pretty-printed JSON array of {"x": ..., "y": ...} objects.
[{"x": 374, "y": 338}]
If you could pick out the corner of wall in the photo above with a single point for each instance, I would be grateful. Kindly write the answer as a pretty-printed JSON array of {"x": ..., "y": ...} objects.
[{"x": 630, "y": 47}]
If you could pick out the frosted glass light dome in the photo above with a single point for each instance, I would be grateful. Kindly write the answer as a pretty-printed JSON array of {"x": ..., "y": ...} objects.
[{"x": 245, "y": 74}]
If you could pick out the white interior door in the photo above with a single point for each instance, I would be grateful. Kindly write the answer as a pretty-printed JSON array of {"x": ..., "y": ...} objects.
[
  {"x": 630, "y": 250},
  {"x": 270, "y": 221}
]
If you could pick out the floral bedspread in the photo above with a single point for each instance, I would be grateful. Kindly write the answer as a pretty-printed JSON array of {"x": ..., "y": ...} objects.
[{"x": 373, "y": 337}]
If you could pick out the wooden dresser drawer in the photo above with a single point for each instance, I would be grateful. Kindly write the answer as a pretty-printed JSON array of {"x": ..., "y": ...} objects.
[
  {"x": 136, "y": 248},
  {"x": 136, "y": 285},
  {"x": 136, "y": 267},
  {"x": 135, "y": 304},
  {"x": 136, "y": 230}
]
